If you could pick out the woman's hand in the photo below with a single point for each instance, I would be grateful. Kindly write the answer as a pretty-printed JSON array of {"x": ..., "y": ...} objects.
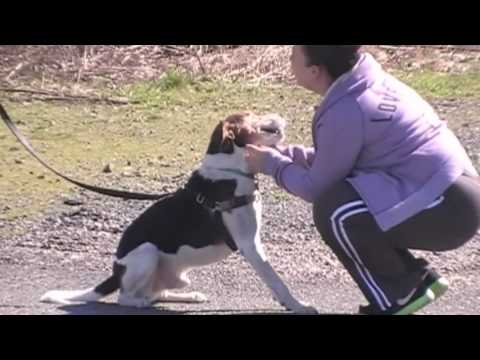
[{"x": 256, "y": 157}]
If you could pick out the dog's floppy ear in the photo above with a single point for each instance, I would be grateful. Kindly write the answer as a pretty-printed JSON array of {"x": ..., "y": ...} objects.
[
  {"x": 222, "y": 139},
  {"x": 227, "y": 133},
  {"x": 238, "y": 129}
]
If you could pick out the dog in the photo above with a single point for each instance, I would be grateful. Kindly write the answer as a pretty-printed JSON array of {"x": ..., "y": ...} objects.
[{"x": 217, "y": 213}]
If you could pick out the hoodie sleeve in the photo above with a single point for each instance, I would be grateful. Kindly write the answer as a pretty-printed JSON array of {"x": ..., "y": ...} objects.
[
  {"x": 299, "y": 154},
  {"x": 338, "y": 141}
]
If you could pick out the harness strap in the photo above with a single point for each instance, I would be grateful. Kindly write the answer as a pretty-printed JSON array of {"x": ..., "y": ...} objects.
[{"x": 225, "y": 206}]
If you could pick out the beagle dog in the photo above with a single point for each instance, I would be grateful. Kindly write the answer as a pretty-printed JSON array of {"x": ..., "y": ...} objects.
[{"x": 216, "y": 213}]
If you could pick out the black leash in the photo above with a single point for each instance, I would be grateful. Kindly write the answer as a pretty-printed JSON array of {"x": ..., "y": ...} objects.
[{"x": 109, "y": 192}]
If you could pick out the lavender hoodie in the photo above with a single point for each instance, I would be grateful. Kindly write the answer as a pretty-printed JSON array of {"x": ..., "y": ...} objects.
[{"x": 382, "y": 137}]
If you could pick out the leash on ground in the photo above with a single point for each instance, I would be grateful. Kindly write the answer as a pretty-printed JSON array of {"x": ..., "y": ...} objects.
[{"x": 100, "y": 190}]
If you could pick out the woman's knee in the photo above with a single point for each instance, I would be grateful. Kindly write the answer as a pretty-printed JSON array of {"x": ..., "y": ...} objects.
[
  {"x": 329, "y": 202},
  {"x": 320, "y": 217},
  {"x": 323, "y": 209}
]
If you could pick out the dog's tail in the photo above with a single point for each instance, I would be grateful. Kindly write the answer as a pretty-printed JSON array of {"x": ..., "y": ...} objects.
[{"x": 107, "y": 287}]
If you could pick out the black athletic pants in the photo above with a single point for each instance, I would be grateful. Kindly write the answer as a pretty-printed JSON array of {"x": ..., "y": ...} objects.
[{"x": 380, "y": 262}]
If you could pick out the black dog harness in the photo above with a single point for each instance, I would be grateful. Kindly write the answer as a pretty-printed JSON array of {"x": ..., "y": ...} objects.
[{"x": 225, "y": 206}]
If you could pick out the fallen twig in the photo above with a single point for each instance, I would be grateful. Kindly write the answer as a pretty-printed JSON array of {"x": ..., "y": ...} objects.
[{"x": 51, "y": 96}]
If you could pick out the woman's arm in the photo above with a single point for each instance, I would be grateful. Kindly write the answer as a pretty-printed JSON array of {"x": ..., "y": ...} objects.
[
  {"x": 298, "y": 153},
  {"x": 339, "y": 140}
]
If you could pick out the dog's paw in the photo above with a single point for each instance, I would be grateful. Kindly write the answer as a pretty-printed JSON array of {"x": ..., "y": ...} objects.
[
  {"x": 198, "y": 297},
  {"x": 303, "y": 309},
  {"x": 307, "y": 310}
]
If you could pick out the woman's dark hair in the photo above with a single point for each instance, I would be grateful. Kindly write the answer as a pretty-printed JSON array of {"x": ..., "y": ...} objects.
[{"x": 338, "y": 59}]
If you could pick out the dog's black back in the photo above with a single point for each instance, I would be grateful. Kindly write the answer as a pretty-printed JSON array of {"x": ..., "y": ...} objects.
[{"x": 180, "y": 220}]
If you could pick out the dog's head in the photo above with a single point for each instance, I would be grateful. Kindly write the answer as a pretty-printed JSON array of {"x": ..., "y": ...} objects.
[{"x": 245, "y": 128}]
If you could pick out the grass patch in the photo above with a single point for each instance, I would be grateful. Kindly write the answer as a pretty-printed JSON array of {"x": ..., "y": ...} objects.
[
  {"x": 440, "y": 85},
  {"x": 159, "y": 91}
]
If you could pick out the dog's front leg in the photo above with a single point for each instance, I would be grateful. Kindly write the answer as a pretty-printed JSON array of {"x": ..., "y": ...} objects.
[
  {"x": 270, "y": 277},
  {"x": 244, "y": 226}
]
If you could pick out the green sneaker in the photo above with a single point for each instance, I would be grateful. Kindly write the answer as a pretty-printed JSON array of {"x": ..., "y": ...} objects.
[
  {"x": 437, "y": 284},
  {"x": 432, "y": 288},
  {"x": 417, "y": 301}
]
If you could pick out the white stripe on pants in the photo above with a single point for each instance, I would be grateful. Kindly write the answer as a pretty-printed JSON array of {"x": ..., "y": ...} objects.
[{"x": 337, "y": 220}]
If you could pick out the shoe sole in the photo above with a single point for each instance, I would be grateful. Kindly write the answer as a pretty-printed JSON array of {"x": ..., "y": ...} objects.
[
  {"x": 418, "y": 304},
  {"x": 434, "y": 292},
  {"x": 439, "y": 287}
]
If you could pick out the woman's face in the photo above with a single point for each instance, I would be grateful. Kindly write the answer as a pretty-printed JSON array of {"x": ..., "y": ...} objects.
[{"x": 312, "y": 77}]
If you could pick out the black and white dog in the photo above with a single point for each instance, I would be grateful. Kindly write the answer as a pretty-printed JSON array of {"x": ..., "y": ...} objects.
[{"x": 217, "y": 213}]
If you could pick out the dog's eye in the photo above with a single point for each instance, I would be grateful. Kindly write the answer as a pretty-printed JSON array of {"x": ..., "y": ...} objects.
[{"x": 270, "y": 130}]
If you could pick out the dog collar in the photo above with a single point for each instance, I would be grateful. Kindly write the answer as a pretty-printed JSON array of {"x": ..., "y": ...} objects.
[{"x": 225, "y": 206}]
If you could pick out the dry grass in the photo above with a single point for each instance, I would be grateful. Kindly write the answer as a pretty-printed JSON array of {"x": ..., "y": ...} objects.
[{"x": 82, "y": 69}]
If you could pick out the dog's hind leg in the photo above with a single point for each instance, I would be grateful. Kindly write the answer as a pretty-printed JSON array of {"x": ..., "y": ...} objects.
[
  {"x": 107, "y": 287},
  {"x": 137, "y": 282},
  {"x": 166, "y": 279},
  {"x": 172, "y": 272}
]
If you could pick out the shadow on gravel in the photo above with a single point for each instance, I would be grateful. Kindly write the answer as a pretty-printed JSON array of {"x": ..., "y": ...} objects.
[{"x": 113, "y": 309}]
